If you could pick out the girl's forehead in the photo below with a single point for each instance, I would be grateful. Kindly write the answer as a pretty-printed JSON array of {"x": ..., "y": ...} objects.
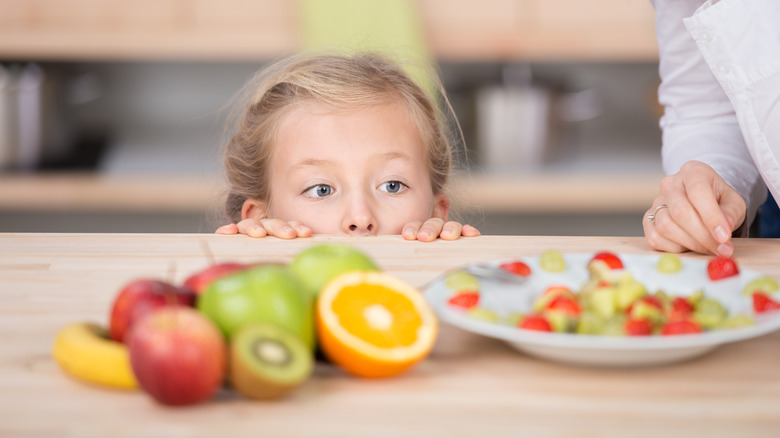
[{"x": 321, "y": 128}]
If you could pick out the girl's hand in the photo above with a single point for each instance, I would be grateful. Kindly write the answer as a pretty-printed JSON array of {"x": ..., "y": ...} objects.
[
  {"x": 429, "y": 230},
  {"x": 267, "y": 227},
  {"x": 701, "y": 212}
]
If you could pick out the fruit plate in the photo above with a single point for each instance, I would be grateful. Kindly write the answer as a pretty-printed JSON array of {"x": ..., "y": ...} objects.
[{"x": 504, "y": 299}]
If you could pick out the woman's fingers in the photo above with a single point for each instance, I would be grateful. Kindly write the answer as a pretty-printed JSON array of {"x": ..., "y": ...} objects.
[{"x": 667, "y": 235}]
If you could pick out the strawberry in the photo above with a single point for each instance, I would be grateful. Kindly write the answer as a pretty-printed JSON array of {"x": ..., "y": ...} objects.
[
  {"x": 535, "y": 322},
  {"x": 517, "y": 268},
  {"x": 683, "y": 327},
  {"x": 722, "y": 267},
  {"x": 610, "y": 259},
  {"x": 557, "y": 291},
  {"x": 464, "y": 300},
  {"x": 681, "y": 309},
  {"x": 762, "y": 303},
  {"x": 638, "y": 327},
  {"x": 565, "y": 304}
]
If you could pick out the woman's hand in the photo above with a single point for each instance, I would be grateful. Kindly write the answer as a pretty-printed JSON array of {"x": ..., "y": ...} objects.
[
  {"x": 429, "y": 230},
  {"x": 701, "y": 212},
  {"x": 267, "y": 227}
]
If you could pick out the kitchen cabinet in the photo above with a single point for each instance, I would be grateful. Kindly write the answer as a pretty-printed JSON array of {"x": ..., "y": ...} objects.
[
  {"x": 456, "y": 30},
  {"x": 247, "y": 32}
]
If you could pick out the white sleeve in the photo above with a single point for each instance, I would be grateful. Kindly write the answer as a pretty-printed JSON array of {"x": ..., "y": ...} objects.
[
  {"x": 699, "y": 122},
  {"x": 740, "y": 41}
]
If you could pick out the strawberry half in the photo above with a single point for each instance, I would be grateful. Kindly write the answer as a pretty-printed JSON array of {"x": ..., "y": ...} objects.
[
  {"x": 517, "y": 268},
  {"x": 638, "y": 327},
  {"x": 566, "y": 305},
  {"x": 762, "y": 303},
  {"x": 535, "y": 322},
  {"x": 612, "y": 260},
  {"x": 465, "y": 300},
  {"x": 681, "y": 309},
  {"x": 685, "y": 327},
  {"x": 722, "y": 267}
]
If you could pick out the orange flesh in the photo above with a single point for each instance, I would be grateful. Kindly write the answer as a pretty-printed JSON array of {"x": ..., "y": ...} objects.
[{"x": 350, "y": 307}]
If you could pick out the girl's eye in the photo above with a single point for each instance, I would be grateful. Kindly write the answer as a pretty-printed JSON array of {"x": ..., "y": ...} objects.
[
  {"x": 318, "y": 191},
  {"x": 392, "y": 186}
]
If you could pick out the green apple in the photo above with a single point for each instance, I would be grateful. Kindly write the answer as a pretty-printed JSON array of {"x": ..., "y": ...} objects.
[
  {"x": 263, "y": 293},
  {"x": 316, "y": 265}
]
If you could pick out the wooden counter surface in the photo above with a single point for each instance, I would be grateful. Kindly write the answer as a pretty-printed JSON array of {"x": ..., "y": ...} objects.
[{"x": 470, "y": 386}]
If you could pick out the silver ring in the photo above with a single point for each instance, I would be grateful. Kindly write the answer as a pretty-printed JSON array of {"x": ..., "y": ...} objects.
[{"x": 652, "y": 214}]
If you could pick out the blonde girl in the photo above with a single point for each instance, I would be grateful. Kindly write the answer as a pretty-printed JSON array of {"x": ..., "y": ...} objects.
[{"x": 335, "y": 144}]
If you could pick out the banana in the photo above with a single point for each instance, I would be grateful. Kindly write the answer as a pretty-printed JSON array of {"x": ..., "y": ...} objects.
[{"x": 84, "y": 351}]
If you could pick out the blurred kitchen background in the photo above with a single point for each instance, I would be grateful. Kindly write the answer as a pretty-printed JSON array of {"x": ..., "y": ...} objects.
[{"x": 113, "y": 114}]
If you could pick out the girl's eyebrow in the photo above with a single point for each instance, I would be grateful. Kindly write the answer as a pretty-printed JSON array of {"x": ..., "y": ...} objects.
[
  {"x": 315, "y": 162},
  {"x": 309, "y": 162},
  {"x": 396, "y": 155}
]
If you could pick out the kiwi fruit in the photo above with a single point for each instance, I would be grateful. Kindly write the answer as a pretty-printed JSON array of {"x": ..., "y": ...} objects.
[{"x": 267, "y": 361}]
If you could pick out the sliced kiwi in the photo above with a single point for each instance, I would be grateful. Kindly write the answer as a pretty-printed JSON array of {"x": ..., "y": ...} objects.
[{"x": 267, "y": 361}]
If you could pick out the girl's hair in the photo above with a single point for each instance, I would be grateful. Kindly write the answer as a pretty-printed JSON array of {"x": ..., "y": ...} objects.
[{"x": 342, "y": 82}]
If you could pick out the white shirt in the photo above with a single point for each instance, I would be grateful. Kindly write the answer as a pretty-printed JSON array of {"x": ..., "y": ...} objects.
[{"x": 719, "y": 63}]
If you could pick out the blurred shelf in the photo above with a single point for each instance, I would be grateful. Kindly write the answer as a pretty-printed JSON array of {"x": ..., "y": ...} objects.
[
  {"x": 570, "y": 193},
  {"x": 108, "y": 193},
  {"x": 563, "y": 193},
  {"x": 238, "y": 30}
]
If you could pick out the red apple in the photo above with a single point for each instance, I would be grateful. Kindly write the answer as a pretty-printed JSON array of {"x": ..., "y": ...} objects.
[
  {"x": 199, "y": 281},
  {"x": 178, "y": 355},
  {"x": 140, "y": 297}
]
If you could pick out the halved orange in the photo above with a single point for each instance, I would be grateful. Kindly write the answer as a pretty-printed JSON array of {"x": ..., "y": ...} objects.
[{"x": 373, "y": 324}]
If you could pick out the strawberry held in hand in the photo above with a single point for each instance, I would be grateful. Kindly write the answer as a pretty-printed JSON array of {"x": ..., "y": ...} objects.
[{"x": 722, "y": 267}]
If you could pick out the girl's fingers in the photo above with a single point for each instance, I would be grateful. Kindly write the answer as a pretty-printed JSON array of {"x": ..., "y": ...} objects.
[
  {"x": 469, "y": 231},
  {"x": 409, "y": 232},
  {"x": 227, "y": 229},
  {"x": 279, "y": 228},
  {"x": 451, "y": 230},
  {"x": 301, "y": 229},
  {"x": 430, "y": 230},
  {"x": 252, "y": 228}
]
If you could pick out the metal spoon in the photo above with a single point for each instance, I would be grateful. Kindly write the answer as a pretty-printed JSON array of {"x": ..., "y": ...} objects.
[{"x": 494, "y": 273}]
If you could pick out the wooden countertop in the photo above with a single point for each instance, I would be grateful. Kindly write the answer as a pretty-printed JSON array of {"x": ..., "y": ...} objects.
[{"x": 470, "y": 386}]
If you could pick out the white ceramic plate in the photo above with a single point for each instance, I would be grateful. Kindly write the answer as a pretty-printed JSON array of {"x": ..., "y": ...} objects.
[{"x": 504, "y": 299}]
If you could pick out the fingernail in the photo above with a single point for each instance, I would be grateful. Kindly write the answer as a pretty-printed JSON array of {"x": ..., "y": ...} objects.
[
  {"x": 287, "y": 229},
  {"x": 447, "y": 231},
  {"x": 725, "y": 250},
  {"x": 256, "y": 227},
  {"x": 721, "y": 235}
]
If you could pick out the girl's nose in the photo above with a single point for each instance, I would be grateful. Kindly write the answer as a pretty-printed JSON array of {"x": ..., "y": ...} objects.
[{"x": 360, "y": 219}]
